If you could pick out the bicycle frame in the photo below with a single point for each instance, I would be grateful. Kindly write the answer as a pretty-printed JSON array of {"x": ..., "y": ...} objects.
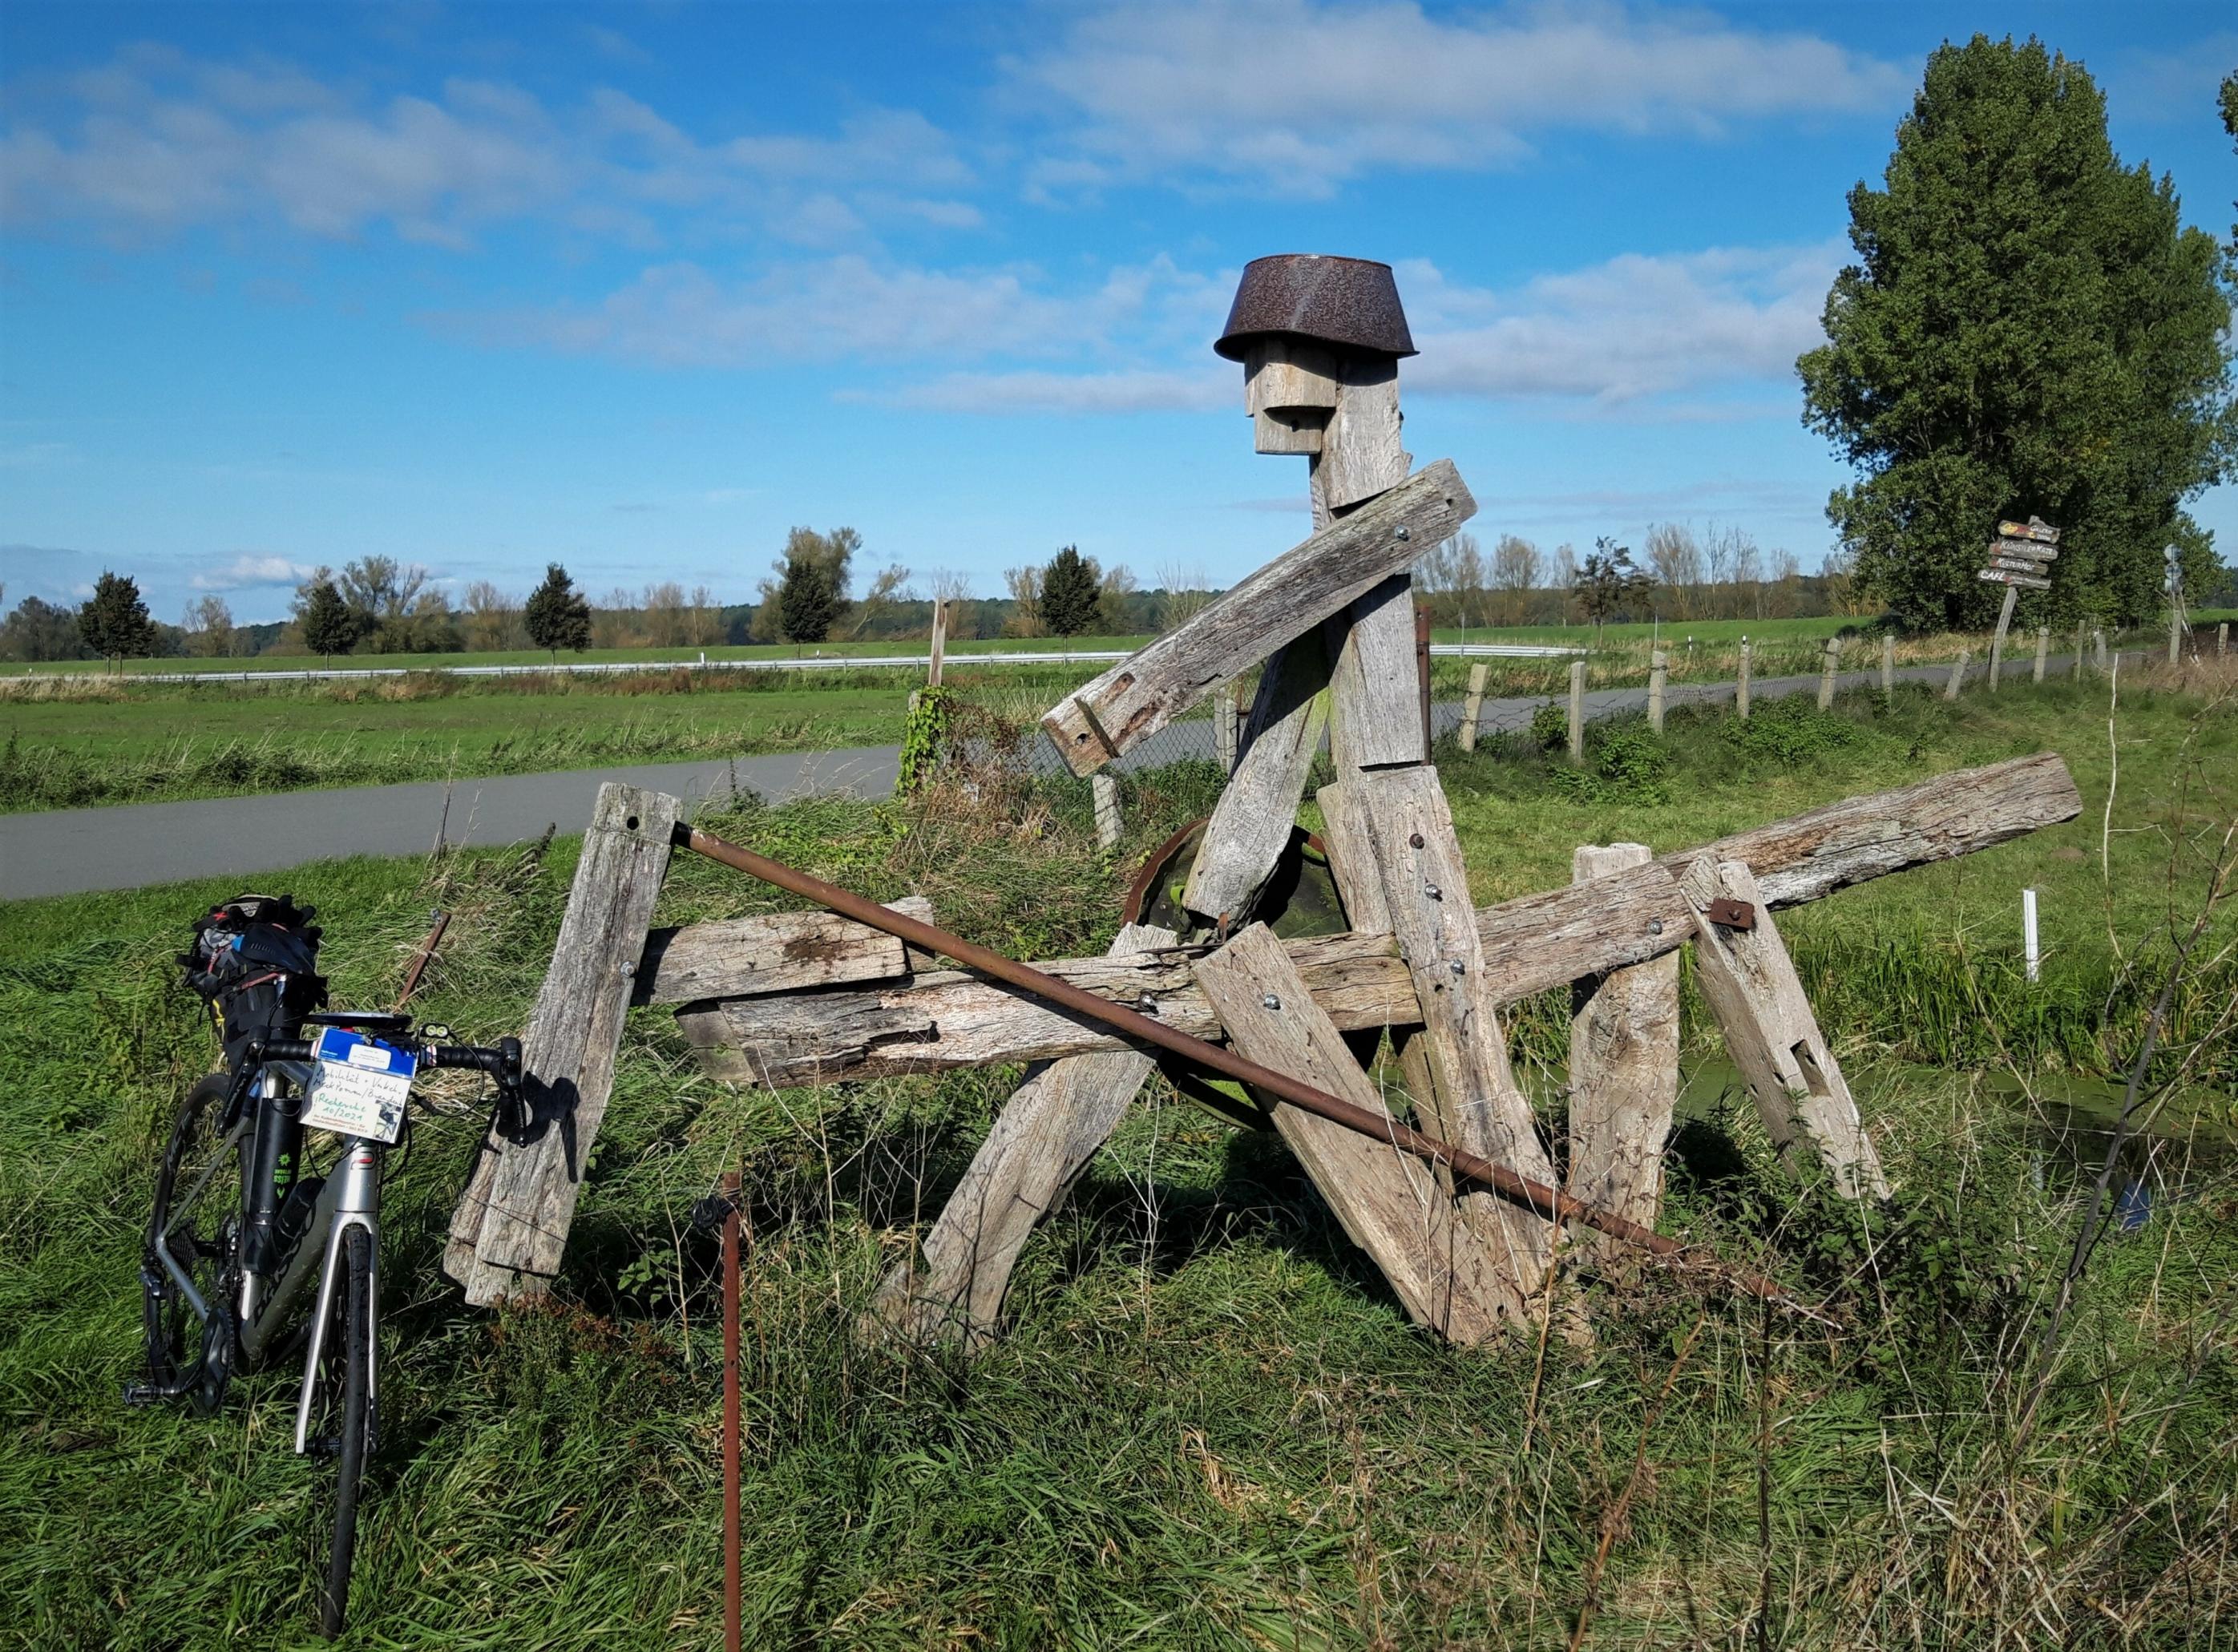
[{"x": 349, "y": 1198}]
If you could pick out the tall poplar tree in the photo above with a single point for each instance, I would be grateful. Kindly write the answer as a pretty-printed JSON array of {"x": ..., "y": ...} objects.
[
  {"x": 2028, "y": 329},
  {"x": 1071, "y": 592}
]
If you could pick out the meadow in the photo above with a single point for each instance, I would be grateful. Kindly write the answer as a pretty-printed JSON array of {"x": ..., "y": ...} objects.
[{"x": 1209, "y": 1424}]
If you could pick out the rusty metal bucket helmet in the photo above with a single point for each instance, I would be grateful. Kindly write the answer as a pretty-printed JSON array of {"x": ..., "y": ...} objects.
[{"x": 1350, "y": 302}]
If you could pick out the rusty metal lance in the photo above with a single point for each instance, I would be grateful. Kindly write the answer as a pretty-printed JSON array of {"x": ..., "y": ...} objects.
[
  {"x": 1548, "y": 1201},
  {"x": 734, "y": 1609}
]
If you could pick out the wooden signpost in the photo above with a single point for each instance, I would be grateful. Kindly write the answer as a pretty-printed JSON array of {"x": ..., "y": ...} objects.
[
  {"x": 813, "y": 999},
  {"x": 2020, "y": 559}
]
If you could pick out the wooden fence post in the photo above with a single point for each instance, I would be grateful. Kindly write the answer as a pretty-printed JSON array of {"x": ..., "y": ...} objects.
[
  {"x": 1623, "y": 1074},
  {"x": 1472, "y": 707},
  {"x": 1826, "y": 673},
  {"x": 1105, "y": 790},
  {"x": 1957, "y": 674},
  {"x": 1659, "y": 672},
  {"x": 1741, "y": 689},
  {"x": 1888, "y": 668},
  {"x": 1576, "y": 710},
  {"x": 939, "y": 650},
  {"x": 2098, "y": 648},
  {"x": 2042, "y": 650},
  {"x": 2221, "y": 638},
  {"x": 1223, "y": 729},
  {"x": 511, "y": 1224},
  {"x": 1749, "y": 982},
  {"x": 2175, "y": 634}
]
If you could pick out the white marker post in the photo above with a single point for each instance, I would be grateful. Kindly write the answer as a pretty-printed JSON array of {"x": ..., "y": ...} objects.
[{"x": 2027, "y": 933}]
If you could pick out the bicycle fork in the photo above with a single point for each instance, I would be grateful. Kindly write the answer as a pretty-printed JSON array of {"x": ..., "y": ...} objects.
[{"x": 357, "y": 1204}]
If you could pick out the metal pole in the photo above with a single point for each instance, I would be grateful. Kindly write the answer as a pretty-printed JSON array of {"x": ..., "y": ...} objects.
[
  {"x": 1548, "y": 1201},
  {"x": 2027, "y": 930}
]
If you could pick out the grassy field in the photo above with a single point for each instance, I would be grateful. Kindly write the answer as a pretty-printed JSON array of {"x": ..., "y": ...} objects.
[
  {"x": 86, "y": 742},
  {"x": 1209, "y": 1425},
  {"x": 714, "y": 653}
]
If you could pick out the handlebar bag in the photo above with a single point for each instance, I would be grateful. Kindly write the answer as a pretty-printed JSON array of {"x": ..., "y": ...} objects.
[{"x": 255, "y": 960}]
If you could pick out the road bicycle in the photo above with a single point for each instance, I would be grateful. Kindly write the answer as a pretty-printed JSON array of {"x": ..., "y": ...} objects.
[{"x": 242, "y": 1222}]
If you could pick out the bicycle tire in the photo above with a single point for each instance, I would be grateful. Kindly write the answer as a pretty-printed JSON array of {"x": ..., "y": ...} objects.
[
  {"x": 354, "y": 1329},
  {"x": 198, "y": 1204}
]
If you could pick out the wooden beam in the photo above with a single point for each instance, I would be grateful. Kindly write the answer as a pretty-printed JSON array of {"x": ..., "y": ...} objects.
[
  {"x": 1750, "y": 985},
  {"x": 776, "y": 952},
  {"x": 1252, "y": 822},
  {"x": 1623, "y": 1074},
  {"x": 952, "y": 1291},
  {"x": 929, "y": 1022},
  {"x": 1243, "y": 625},
  {"x": 1389, "y": 1202},
  {"x": 511, "y": 1224},
  {"x": 1474, "y": 1100}
]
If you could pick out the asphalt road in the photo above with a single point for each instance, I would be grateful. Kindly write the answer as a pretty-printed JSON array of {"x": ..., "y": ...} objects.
[{"x": 70, "y": 850}]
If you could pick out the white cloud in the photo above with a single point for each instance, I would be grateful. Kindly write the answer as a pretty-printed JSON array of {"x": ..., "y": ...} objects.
[
  {"x": 1626, "y": 332},
  {"x": 247, "y": 571},
  {"x": 852, "y": 307},
  {"x": 155, "y": 141},
  {"x": 1297, "y": 96}
]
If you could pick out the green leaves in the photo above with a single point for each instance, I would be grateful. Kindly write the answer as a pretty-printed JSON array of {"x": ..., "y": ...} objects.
[{"x": 2028, "y": 329}]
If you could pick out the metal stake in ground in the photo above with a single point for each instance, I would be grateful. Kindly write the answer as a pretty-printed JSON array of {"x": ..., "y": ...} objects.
[{"x": 1522, "y": 1189}]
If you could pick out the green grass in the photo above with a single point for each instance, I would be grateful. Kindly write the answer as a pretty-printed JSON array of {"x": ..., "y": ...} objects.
[
  {"x": 714, "y": 653},
  {"x": 147, "y": 740},
  {"x": 1209, "y": 1425}
]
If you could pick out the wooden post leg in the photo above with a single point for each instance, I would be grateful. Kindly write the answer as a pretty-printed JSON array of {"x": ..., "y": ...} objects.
[
  {"x": 1624, "y": 1074},
  {"x": 1389, "y": 1202},
  {"x": 511, "y": 1224},
  {"x": 1252, "y": 820},
  {"x": 1039, "y": 1143},
  {"x": 1659, "y": 673},
  {"x": 1475, "y": 1102},
  {"x": 1750, "y": 984},
  {"x": 1997, "y": 637}
]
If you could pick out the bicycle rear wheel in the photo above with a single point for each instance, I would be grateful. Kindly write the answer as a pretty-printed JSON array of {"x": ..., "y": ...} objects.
[
  {"x": 197, "y": 1223},
  {"x": 351, "y": 1374}
]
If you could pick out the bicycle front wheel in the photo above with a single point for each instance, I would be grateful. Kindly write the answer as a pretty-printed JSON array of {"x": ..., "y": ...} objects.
[{"x": 351, "y": 1370}]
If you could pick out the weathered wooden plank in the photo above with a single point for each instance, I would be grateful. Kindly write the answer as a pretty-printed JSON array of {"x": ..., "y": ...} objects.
[
  {"x": 1389, "y": 1202},
  {"x": 1040, "y": 1142},
  {"x": 1362, "y": 453},
  {"x": 1253, "y": 820},
  {"x": 1475, "y": 1101},
  {"x": 1623, "y": 1074},
  {"x": 1282, "y": 373},
  {"x": 1539, "y": 941},
  {"x": 1240, "y": 627},
  {"x": 509, "y": 1225},
  {"x": 1375, "y": 717},
  {"x": 1750, "y": 984},
  {"x": 776, "y": 952}
]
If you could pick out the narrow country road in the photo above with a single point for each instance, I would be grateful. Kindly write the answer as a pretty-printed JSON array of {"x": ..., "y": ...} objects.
[{"x": 68, "y": 851}]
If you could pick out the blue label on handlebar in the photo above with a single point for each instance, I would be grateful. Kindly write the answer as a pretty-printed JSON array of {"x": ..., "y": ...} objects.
[{"x": 346, "y": 1049}]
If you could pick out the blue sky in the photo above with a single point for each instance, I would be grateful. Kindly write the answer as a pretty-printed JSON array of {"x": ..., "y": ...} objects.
[{"x": 638, "y": 287}]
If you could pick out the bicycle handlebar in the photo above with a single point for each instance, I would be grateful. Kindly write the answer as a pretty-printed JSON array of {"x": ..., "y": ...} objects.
[{"x": 503, "y": 1063}]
